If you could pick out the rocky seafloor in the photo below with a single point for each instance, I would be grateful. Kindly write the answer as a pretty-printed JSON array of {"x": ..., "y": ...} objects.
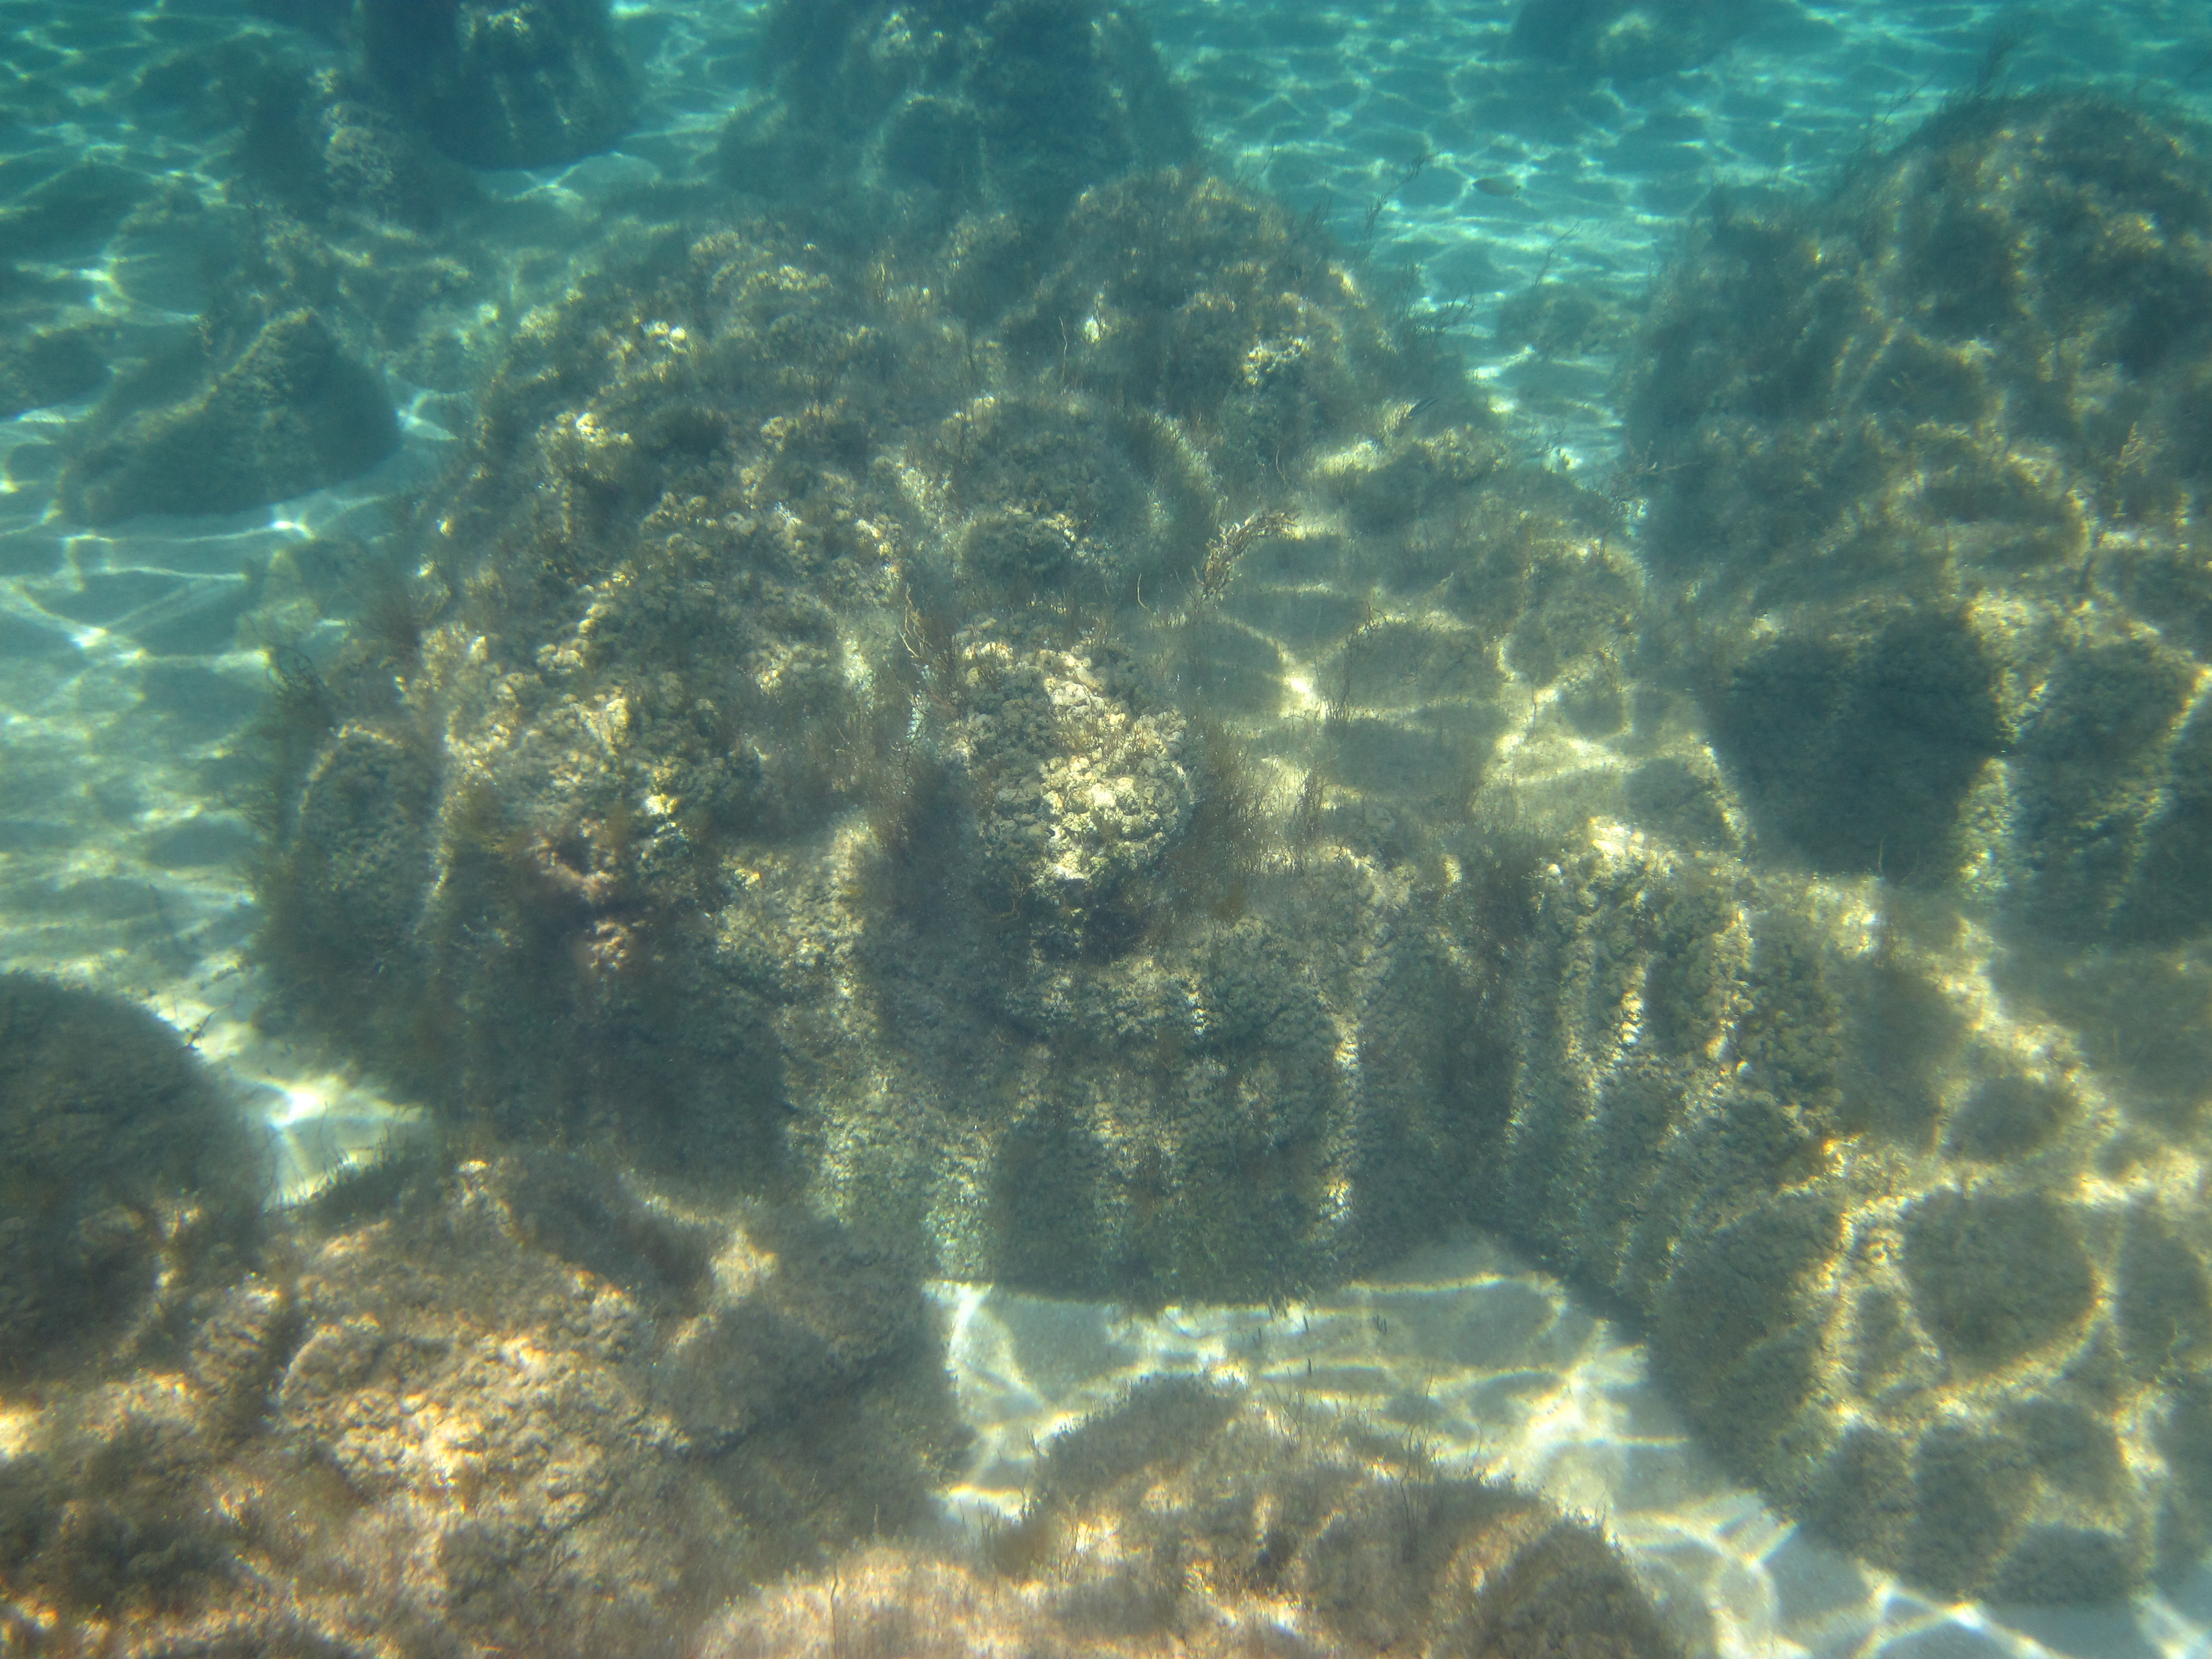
[
  {"x": 530, "y": 1404},
  {"x": 984, "y": 692}
]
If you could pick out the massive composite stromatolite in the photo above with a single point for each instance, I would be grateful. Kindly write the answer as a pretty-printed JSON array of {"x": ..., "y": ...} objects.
[
  {"x": 1911, "y": 1180},
  {"x": 1068, "y": 739}
]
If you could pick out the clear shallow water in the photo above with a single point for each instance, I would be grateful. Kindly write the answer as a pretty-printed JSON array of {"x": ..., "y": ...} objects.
[{"x": 126, "y": 683}]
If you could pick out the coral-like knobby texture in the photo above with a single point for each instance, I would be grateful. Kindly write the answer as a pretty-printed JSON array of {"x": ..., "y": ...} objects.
[{"x": 999, "y": 779}]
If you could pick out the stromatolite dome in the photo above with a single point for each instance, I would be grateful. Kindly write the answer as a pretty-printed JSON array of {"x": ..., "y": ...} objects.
[
  {"x": 1088, "y": 758},
  {"x": 1894, "y": 1124},
  {"x": 128, "y": 1182}
]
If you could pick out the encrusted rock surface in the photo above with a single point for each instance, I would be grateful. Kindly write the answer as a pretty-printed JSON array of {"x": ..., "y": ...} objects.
[
  {"x": 763, "y": 817},
  {"x": 524, "y": 1405},
  {"x": 282, "y": 412},
  {"x": 128, "y": 1183},
  {"x": 1071, "y": 744},
  {"x": 503, "y": 83},
  {"x": 1198, "y": 1520},
  {"x": 924, "y": 112},
  {"x": 1910, "y": 1188}
]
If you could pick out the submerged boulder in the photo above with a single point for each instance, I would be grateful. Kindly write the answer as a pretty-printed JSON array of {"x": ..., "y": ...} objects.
[
  {"x": 1197, "y": 1518},
  {"x": 952, "y": 106},
  {"x": 127, "y": 1182},
  {"x": 291, "y": 412},
  {"x": 806, "y": 821},
  {"x": 1863, "y": 1120},
  {"x": 325, "y": 145},
  {"x": 522, "y": 1404},
  {"x": 502, "y": 83}
]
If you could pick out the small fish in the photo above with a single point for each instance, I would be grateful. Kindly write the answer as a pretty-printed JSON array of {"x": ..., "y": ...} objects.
[{"x": 1497, "y": 184}]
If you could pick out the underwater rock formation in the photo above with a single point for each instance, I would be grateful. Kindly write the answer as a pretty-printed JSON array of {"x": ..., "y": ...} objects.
[
  {"x": 323, "y": 143},
  {"x": 1194, "y": 1520},
  {"x": 985, "y": 776},
  {"x": 290, "y": 411},
  {"x": 1848, "y": 1204},
  {"x": 521, "y": 1406},
  {"x": 345, "y": 240},
  {"x": 52, "y": 366},
  {"x": 1071, "y": 746},
  {"x": 502, "y": 83},
  {"x": 1908, "y": 1190},
  {"x": 1628, "y": 38},
  {"x": 127, "y": 1183},
  {"x": 930, "y": 110},
  {"x": 1966, "y": 384}
]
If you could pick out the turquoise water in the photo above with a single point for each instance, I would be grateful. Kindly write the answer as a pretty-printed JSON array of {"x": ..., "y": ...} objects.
[{"x": 1701, "y": 771}]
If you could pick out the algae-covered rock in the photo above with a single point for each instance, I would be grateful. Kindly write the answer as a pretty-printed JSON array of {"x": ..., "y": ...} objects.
[
  {"x": 1198, "y": 1517},
  {"x": 996, "y": 776},
  {"x": 1072, "y": 747},
  {"x": 503, "y": 83},
  {"x": 127, "y": 1182},
  {"x": 325, "y": 142},
  {"x": 291, "y": 412},
  {"x": 113, "y": 1511},
  {"x": 1854, "y": 1113},
  {"x": 572, "y": 1386},
  {"x": 952, "y": 107},
  {"x": 520, "y": 1404},
  {"x": 1731, "y": 1118},
  {"x": 1078, "y": 793},
  {"x": 1967, "y": 382}
]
